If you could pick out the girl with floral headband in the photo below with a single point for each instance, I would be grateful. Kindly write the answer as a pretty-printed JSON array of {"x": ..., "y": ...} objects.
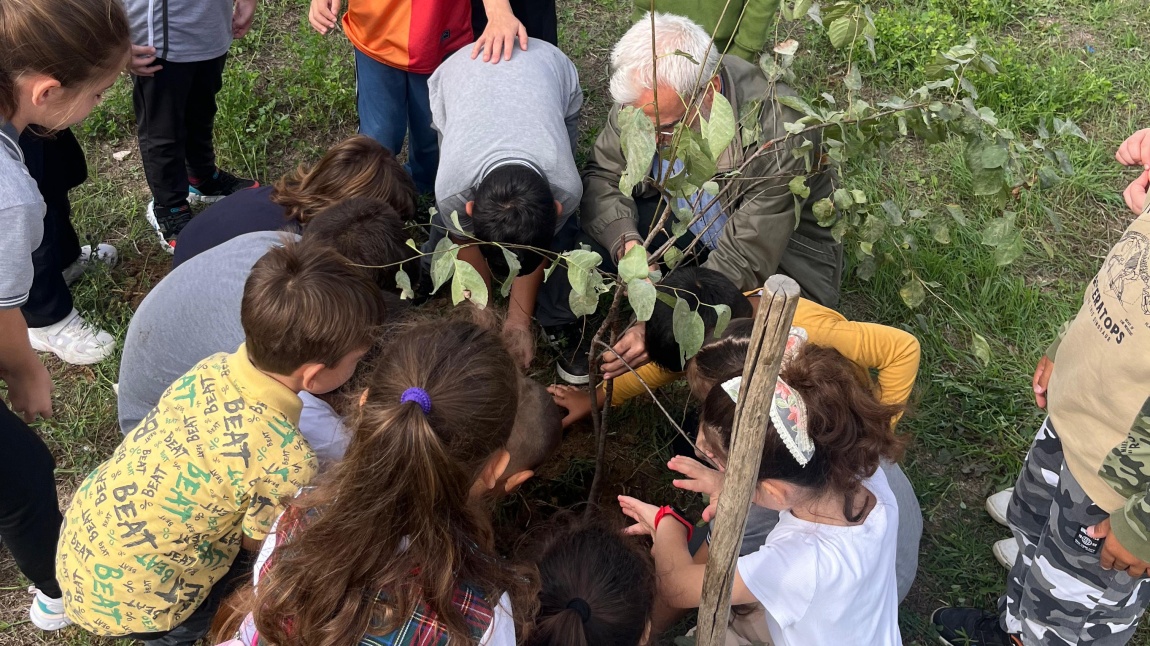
[{"x": 826, "y": 574}]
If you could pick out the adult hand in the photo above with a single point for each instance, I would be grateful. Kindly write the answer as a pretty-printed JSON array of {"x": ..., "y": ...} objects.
[
  {"x": 520, "y": 342},
  {"x": 1041, "y": 378},
  {"x": 324, "y": 14},
  {"x": 30, "y": 391},
  {"x": 140, "y": 62},
  {"x": 642, "y": 513},
  {"x": 503, "y": 28},
  {"x": 1135, "y": 151},
  {"x": 1113, "y": 555},
  {"x": 1136, "y": 193},
  {"x": 242, "y": 16},
  {"x": 573, "y": 399},
  {"x": 632, "y": 347},
  {"x": 700, "y": 477}
]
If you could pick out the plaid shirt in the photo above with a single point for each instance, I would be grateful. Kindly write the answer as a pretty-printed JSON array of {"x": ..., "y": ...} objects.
[{"x": 422, "y": 628}]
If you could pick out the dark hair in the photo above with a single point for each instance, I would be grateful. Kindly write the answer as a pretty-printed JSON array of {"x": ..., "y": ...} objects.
[
  {"x": 538, "y": 429},
  {"x": 395, "y": 527},
  {"x": 358, "y": 166},
  {"x": 588, "y": 562},
  {"x": 514, "y": 205},
  {"x": 720, "y": 357},
  {"x": 368, "y": 232},
  {"x": 850, "y": 428},
  {"x": 72, "y": 41},
  {"x": 303, "y": 303},
  {"x": 700, "y": 288}
]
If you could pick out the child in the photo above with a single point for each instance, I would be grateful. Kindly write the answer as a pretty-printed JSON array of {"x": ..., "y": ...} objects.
[
  {"x": 400, "y": 532},
  {"x": 355, "y": 167},
  {"x": 151, "y": 540},
  {"x": 537, "y": 433},
  {"x": 52, "y": 74},
  {"x": 597, "y": 587},
  {"x": 178, "y": 56},
  {"x": 1078, "y": 511},
  {"x": 826, "y": 574}
]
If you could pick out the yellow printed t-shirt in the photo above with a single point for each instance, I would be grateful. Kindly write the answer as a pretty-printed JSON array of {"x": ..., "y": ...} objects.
[{"x": 153, "y": 528}]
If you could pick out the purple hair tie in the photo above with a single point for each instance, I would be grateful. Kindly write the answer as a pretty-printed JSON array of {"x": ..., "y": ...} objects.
[{"x": 419, "y": 396}]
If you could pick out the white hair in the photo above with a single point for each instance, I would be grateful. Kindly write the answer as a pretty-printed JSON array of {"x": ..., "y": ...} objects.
[{"x": 634, "y": 69}]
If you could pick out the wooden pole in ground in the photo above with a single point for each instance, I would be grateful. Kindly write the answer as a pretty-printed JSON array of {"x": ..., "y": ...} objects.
[{"x": 752, "y": 413}]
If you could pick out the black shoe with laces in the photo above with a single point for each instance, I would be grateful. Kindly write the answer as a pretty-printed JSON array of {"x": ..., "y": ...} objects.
[
  {"x": 573, "y": 344},
  {"x": 971, "y": 627},
  {"x": 215, "y": 188},
  {"x": 168, "y": 221}
]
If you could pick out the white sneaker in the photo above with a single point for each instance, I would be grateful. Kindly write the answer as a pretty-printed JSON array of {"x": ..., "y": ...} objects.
[
  {"x": 47, "y": 613},
  {"x": 105, "y": 254},
  {"x": 1006, "y": 551},
  {"x": 996, "y": 505},
  {"x": 74, "y": 340}
]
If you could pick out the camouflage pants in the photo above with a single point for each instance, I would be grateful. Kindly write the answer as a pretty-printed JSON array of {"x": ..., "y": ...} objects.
[{"x": 1057, "y": 592}]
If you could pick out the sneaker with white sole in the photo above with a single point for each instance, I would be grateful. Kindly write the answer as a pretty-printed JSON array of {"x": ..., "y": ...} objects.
[
  {"x": 1006, "y": 551},
  {"x": 105, "y": 255},
  {"x": 74, "y": 340},
  {"x": 996, "y": 505},
  {"x": 168, "y": 222},
  {"x": 47, "y": 613}
]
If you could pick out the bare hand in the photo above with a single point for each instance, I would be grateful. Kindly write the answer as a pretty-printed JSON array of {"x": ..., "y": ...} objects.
[
  {"x": 520, "y": 342},
  {"x": 642, "y": 513},
  {"x": 1041, "y": 378},
  {"x": 632, "y": 347},
  {"x": 140, "y": 62},
  {"x": 1135, "y": 194},
  {"x": 573, "y": 399},
  {"x": 324, "y": 14},
  {"x": 30, "y": 391},
  {"x": 700, "y": 477},
  {"x": 499, "y": 38},
  {"x": 1113, "y": 555},
  {"x": 1135, "y": 151},
  {"x": 242, "y": 16}
]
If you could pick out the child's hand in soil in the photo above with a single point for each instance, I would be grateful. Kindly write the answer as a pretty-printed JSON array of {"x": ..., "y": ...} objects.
[
  {"x": 642, "y": 513},
  {"x": 573, "y": 399}
]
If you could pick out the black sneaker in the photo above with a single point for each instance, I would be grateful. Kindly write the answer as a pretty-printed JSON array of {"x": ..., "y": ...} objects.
[
  {"x": 215, "y": 188},
  {"x": 971, "y": 627},
  {"x": 168, "y": 222},
  {"x": 573, "y": 346}
]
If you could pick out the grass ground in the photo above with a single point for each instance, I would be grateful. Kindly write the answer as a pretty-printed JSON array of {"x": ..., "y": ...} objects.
[{"x": 289, "y": 93}]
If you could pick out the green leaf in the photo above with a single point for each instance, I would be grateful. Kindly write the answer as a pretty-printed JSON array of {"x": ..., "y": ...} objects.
[
  {"x": 443, "y": 262},
  {"x": 637, "y": 139},
  {"x": 641, "y": 296},
  {"x": 940, "y": 232},
  {"x": 987, "y": 181},
  {"x": 980, "y": 348},
  {"x": 1047, "y": 177},
  {"x": 913, "y": 293},
  {"x": 801, "y": 8},
  {"x": 411, "y": 243},
  {"x": 999, "y": 230},
  {"x": 1009, "y": 250},
  {"x": 679, "y": 52},
  {"x": 633, "y": 265},
  {"x": 403, "y": 282},
  {"x": 581, "y": 265},
  {"x": 842, "y": 199},
  {"x": 719, "y": 130},
  {"x": 583, "y": 304},
  {"x": 798, "y": 186},
  {"x": 455, "y": 221},
  {"x": 824, "y": 211},
  {"x": 894, "y": 212},
  {"x": 466, "y": 279},
  {"x": 772, "y": 70},
  {"x": 865, "y": 268},
  {"x": 688, "y": 328},
  {"x": 797, "y": 104},
  {"x": 749, "y": 120},
  {"x": 1068, "y": 127},
  {"x": 722, "y": 319},
  {"x": 513, "y": 268},
  {"x": 843, "y": 31},
  {"x": 673, "y": 257},
  {"x": 1055, "y": 219},
  {"x": 872, "y": 228},
  {"x": 956, "y": 213},
  {"x": 853, "y": 80}
]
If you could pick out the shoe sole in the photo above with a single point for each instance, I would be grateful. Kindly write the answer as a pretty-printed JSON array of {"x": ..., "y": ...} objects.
[
  {"x": 150, "y": 215},
  {"x": 574, "y": 380},
  {"x": 195, "y": 197},
  {"x": 1001, "y": 557},
  {"x": 993, "y": 512}
]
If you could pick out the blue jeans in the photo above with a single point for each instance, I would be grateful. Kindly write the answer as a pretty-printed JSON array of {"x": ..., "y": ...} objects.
[{"x": 393, "y": 104}]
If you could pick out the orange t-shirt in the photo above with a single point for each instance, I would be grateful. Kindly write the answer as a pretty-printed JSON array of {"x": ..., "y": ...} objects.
[{"x": 411, "y": 35}]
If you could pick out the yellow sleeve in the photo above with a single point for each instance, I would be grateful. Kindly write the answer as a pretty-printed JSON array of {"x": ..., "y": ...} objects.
[
  {"x": 628, "y": 385},
  {"x": 892, "y": 352}
]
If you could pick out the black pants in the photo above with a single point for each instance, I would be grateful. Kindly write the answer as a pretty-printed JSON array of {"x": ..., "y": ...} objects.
[
  {"x": 538, "y": 16},
  {"x": 29, "y": 513},
  {"x": 175, "y": 114},
  {"x": 57, "y": 164}
]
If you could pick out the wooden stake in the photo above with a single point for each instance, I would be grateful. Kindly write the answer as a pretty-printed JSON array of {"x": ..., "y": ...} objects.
[{"x": 752, "y": 413}]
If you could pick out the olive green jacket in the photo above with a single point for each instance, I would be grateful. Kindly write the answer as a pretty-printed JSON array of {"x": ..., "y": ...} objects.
[
  {"x": 739, "y": 27},
  {"x": 760, "y": 237}
]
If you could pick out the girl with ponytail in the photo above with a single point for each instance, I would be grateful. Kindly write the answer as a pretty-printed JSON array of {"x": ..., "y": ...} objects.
[
  {"x": 395, "y": 545},
  {"x": 826, "y": 573}
]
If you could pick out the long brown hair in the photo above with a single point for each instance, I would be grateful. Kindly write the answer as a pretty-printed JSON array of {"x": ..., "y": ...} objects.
[
  {"x": 358, "y": 166},
  {"x": 73, "y": 41},
  {"x": 395, "y": 526}
]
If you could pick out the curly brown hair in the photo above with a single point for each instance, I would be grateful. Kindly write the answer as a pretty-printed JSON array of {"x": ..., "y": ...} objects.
[{"x": 358, "y": 166}]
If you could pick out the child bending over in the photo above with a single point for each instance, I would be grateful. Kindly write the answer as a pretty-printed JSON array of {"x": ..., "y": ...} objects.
[
  {"x": 537, "y": 433},
  {"x": 826, "y": 574}
]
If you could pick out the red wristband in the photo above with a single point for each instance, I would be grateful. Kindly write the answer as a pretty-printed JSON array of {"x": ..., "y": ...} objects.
[{"x": 668, "y": 510}]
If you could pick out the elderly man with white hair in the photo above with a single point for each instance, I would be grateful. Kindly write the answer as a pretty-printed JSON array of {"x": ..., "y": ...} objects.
[{"x": 746, "y": 234}]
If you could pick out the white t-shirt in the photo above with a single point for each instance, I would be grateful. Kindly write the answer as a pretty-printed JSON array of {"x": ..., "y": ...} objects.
[
  {"x": 501, "y": 632},
  {"x": 827, "y": 584}
]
